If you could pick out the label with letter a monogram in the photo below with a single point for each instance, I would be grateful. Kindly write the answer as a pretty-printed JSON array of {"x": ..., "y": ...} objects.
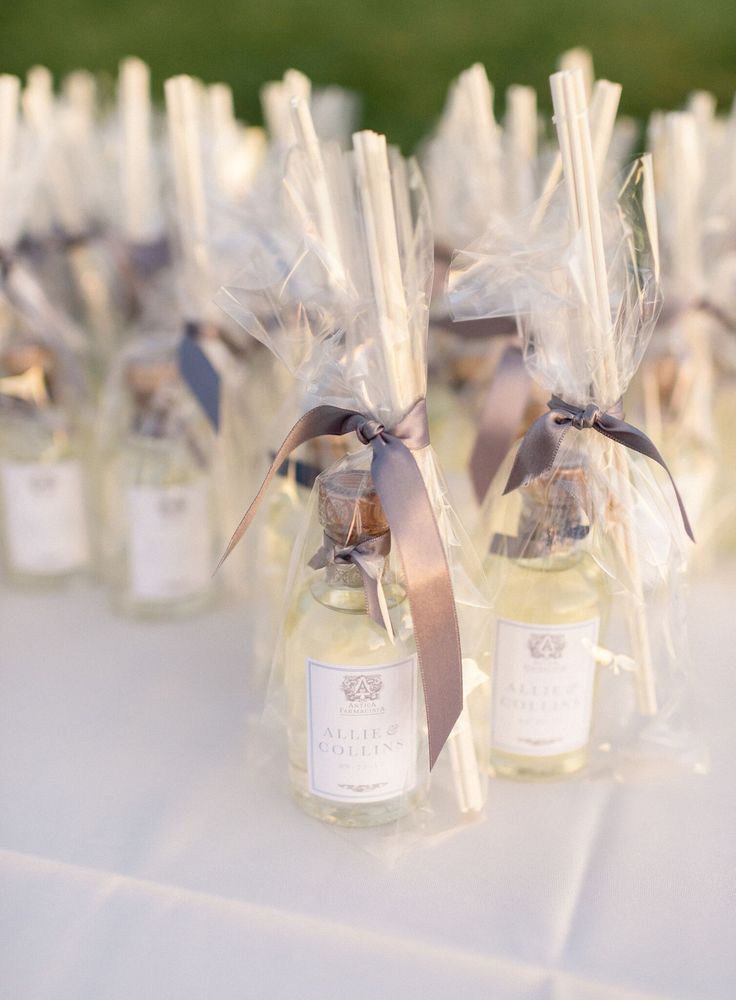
[
  {"x": 543, "y": 687},
  {"x": 170, "y": 553},
  {"x": 45, "y": 523},
  {"x": 362, "y": 730}
]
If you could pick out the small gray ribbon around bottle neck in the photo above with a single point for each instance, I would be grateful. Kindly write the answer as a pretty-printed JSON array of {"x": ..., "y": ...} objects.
[
  {"x": 411, "y": 518},
  {"x": 541, "y": 443},
  {"x": 369, "y": 558}
]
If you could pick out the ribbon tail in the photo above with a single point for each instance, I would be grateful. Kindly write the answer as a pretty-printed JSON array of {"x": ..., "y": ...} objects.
[
  {"x": 631, "y": 437},
  {"x": 318, "y": 560},
  {"x": 200, "y": 375},
  {"x": 537, "y": 451},
  {"x": 383, "y": 606},
  {"x": 500, "y": 419},
  {"x": 375, "y": 598},
  {"x": 314, "y": 423},
  {"x": 409, "y": 511}
]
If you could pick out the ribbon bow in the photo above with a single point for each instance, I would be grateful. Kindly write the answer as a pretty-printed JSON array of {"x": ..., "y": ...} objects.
[
  {"x": 541, "y": 443},
  {"x": 368, "y": 557},
  {"x": 411, "y": 518}
]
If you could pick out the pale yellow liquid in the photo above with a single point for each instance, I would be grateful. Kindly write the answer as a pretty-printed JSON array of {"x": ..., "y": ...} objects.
[
  {"x": 28, "y": 439},
  {"x": 329, "y": 624},
  {"x": 152, "y": 462},
  {"x": 552, "y": 590},
  {"x": 452, "y": 426},
  {"x": 268, "y": 565}
]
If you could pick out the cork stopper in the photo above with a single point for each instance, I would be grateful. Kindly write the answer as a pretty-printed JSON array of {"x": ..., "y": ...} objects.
[
  {"x": 564, "y": 494},
  {"x": 666, "y": 369},
  {"x": 21, "y": 357},
  {"x": 145, "y": 377},
  {"x": 471, "y": 367},
  {"x": 349, "y": 507},
  {"x": 555, "y": 515},
  {"x": 324, "y": 451}
]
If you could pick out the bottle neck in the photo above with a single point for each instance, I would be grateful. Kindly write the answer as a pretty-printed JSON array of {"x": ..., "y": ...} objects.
[
  {"x": 550, "y": 537},
  {"x": 556, "y": 561},
  {"x": 339, "y": 585}
]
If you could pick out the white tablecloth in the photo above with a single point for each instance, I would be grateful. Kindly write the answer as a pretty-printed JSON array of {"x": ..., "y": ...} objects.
[{"x": 138, "y": 862}]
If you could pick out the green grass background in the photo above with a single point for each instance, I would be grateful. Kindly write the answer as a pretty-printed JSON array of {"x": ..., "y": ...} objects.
[{"x": 400, "y": 54}]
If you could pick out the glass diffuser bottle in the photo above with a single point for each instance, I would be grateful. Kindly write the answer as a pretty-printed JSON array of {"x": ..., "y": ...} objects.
[
  {"x": 160, "y": 517},
  {"x": 45, "y": 536},
  {"x": 549, "y": 603},
  {"x": 357, "y": 740}
]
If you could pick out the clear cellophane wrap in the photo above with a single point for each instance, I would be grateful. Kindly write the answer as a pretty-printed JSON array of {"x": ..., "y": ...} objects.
[
  {"x": 718, "y": 320},
  {"x": 620, "y": 507},
  {"x": 29, "y": 310},
  {"x": 354, "y": 335}
]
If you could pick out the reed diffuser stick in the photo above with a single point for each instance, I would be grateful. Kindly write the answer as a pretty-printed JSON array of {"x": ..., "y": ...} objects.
[
  {"x": 307, "y": 138},
  {"x": 141, "y": 222},
  {"x": 386, "y": 218},
  {"x": 374, "y": 189},
  {"x": 276, "y": 97},
  {"x": 183, "y": 115},
  {"x": 602, "y": 118},
  {"x": 9, "y": 96}
]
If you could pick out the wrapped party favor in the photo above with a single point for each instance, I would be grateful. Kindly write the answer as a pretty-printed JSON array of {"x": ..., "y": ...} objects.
[
  {"x": 156, "y": 455},
  {"x": 369, "y": 687},
  {"x": 73, "y": 189},
  {"x": 676, "y": 385},
  {"x": 214, "y": 357},
  {"x": 482, "y": 175},
  {"x": 720, "y": 257},
  {"x": 583, "y": 527},
  {"x": 267, "y": 226},
  {"x": 476, "y": 171},
  {"x": 44, "y": 503}
]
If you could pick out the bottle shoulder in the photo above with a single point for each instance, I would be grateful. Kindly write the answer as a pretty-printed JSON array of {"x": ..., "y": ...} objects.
[
  {"x": 546, "y": 590},
  {"x": 35, "y": 437},
  {"x": 344, "y": 635},
  {"x": 156, "y": 462}
]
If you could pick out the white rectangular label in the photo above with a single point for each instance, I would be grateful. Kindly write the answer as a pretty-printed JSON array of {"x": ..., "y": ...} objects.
[
  {"x": 543, "y": 687},
  {"x": 362, "y": 730},
  {"x": 45, "y": 522},
  {"x": 169, "y": 531}
]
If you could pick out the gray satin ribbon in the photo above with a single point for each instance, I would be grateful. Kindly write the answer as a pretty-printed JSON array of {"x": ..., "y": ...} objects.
[
  {"x": 541, "y": 443},
  {"x": 507, "y": 395},
  {"x": 367, "y": 556},
  {"x": 199, "y": 373},
  {"x": 500, "y": 418},
  {"x": 145, "y": 258},
  {"x": 411, "y": 518}
]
